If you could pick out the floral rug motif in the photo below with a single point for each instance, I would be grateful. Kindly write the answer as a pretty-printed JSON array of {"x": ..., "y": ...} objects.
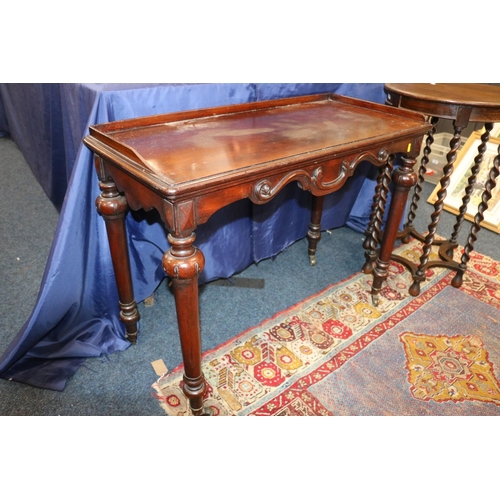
[
  {"x": 446, "y": 368},
  {"x": 273, "y": 368}
]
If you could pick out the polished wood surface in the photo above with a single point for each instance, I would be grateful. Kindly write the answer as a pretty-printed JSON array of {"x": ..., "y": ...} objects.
[
  {"x": 189, "y": 165},
  {"x": 473, "y": 102},
  {"x": 463, "y": 103},
  {"x": 221, "y": 144}
]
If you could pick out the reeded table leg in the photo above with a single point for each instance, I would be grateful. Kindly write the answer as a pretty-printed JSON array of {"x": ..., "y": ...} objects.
[
  {"x": 113, "y": 207},
  {"x": 182, "y": 263},
  {"x": 314, "y": 233},
  {"x": 404, "y": 179}
]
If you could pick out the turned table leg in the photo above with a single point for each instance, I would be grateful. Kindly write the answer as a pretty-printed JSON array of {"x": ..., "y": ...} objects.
[
  {"x": 183, "y": 262},
  {"x": 314, "y": 233},
  {"x": 113, "y": 207},
  {"x": 404, "y": 179}
]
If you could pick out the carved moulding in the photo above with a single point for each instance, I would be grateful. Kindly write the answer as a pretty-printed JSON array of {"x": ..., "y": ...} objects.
[{"x": 312, "y": 179}]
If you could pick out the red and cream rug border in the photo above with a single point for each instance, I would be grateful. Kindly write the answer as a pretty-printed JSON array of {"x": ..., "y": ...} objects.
[{"x": 292, "y": 397}]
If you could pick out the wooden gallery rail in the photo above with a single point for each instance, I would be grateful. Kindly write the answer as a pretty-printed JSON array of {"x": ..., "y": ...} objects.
[{"x": 188, "y": 165}]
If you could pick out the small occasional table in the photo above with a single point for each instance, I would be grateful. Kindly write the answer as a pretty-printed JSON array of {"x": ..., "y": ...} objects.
[
  {"x": 188, "y": 165},
  {"x": 464, "y": 104}
]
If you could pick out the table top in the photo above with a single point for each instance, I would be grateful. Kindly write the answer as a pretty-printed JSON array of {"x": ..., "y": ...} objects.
[
  {"x": 446, "y": 99},
  {"x": 179, "y": 151}
]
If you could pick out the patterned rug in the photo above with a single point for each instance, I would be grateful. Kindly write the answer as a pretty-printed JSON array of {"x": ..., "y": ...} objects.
[{"x": 336, "y": 354}]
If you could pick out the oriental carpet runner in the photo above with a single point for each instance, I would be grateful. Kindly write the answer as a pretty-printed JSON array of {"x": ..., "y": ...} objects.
[{"x": 336, "y": 354}]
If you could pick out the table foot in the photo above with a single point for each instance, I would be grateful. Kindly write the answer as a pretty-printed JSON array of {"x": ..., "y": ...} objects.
[
  {"x": 207, "y": 412},
  {"x": 414, "y": 289},
  {"x": 132, "y": 338},
  {"x": 368, "y": 267},
  {"x": 194, "y": 389},
  {"x": 129, "y": 315},
  {"x": 380, "y": 274},
  {"x": 375, "y": 299},
  {"x": 457, "y": 279}
]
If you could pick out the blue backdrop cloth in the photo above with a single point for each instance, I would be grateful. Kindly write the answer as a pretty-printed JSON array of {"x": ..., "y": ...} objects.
[{"x": 76, "y": 313}]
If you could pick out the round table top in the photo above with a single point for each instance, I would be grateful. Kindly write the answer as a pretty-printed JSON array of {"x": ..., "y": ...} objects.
[{"x": 446, "y": 99}]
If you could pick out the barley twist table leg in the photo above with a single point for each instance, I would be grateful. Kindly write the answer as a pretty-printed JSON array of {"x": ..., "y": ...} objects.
[
  {"x": 373, "y": 231},
  {"x": 479, "y": 217},
  {"x": 412, "y": 212},
  {"x": 471, "y": 182},
  {"x": 414, "y": 289}
]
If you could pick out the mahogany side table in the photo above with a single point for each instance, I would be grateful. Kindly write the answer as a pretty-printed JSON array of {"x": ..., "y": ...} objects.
[
  {"x": 464, "y": 104},
  {"x": 188, "y": 165}
]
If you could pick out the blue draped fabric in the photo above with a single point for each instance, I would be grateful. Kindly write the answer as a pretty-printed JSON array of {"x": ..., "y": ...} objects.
[{"x": 76, "y": 314}]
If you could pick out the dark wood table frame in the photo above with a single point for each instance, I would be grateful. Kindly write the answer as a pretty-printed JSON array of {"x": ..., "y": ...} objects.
[
  {"x": 188, "y": 165},
  {"x": 463, "y": 104}
]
